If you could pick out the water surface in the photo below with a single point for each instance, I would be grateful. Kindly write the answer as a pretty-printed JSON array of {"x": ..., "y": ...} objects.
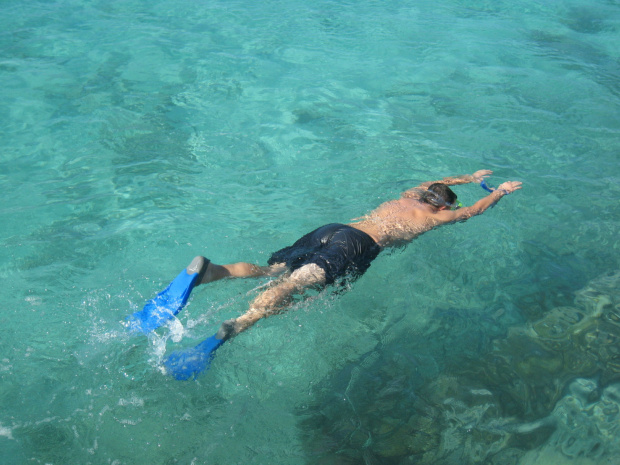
[{"x": 138, "y": 135}]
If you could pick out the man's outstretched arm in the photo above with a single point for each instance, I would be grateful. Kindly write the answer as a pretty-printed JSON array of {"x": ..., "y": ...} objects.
[
  {"x": 477, "y": 177},
  {"x": 464, "y": 213}
]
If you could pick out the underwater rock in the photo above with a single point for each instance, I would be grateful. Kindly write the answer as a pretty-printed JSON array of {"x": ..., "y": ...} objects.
[
  {"x": 465, "y": 391},
  {"x": 380, "y": 419},
  {"x": 587, "y": 426},
  {"x": 533, "y": 363},
  {"x": 558, "y": 322}
]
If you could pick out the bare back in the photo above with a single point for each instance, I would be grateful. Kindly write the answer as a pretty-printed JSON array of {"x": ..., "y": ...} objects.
[{"x": 398, "y": 222}]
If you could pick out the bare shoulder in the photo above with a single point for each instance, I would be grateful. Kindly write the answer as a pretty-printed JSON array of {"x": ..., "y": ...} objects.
[
  {"x": 453, "y": 216},
  {"x": 445, "y": 216},
  {"x": 402, "y": 210},
  {"x": 413, "y": 193}
]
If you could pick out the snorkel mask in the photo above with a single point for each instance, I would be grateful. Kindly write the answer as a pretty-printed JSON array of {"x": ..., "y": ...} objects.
[
  {"x": 433, "y": 198},
  {"x": 454, "y": 205}
]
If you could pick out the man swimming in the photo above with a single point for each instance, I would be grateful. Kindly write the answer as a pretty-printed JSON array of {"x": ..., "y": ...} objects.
[{"x": 331, "y": 252}]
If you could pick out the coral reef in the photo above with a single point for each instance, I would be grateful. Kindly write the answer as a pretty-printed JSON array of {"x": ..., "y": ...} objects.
[{"x": 468, "y": 391}]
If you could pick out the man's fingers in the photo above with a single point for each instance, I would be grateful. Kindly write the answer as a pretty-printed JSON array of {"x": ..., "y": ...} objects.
[{"x": 515, "y": 185}]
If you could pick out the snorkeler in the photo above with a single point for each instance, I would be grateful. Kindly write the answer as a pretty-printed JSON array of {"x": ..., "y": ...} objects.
[{"x": 331, "y": 252}]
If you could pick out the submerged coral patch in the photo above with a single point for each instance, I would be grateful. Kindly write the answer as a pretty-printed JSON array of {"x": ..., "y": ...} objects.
[{"x": 465, "y": 391}]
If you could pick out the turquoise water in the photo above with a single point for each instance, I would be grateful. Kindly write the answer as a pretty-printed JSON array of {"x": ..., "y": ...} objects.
[{"x": 136, "y": 135}]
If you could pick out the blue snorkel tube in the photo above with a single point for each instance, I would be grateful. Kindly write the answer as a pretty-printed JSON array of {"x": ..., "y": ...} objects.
[
  {"x": 491, "y": 189},
  {"x": 484, "y": 185}
]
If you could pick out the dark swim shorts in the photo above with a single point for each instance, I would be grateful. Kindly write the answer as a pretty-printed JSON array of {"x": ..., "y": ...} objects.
[{"x": 338, "y": 249}]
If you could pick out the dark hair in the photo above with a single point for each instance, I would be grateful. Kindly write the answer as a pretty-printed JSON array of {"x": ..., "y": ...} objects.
[{"x": 438, "y": 195}]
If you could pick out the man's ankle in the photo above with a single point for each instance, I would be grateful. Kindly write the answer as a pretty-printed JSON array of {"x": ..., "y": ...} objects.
[{"x": 227, "y": 330}]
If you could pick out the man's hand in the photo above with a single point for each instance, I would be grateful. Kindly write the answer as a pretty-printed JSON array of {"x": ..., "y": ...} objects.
[
  {"x": 478, "y": 176},
  {"x": 510, "y": 186}
]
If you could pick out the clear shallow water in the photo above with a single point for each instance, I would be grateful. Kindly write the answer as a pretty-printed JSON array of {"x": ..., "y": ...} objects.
[{"x": 136, "y": 136}]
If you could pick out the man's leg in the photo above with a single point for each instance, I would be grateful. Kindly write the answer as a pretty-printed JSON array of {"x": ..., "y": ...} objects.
[
  {"x": 274, "y": 300},
  {"x": 236, "y": 270},
  {"x": 173, "y": 298},
  {"x": 189, "y": 363}
]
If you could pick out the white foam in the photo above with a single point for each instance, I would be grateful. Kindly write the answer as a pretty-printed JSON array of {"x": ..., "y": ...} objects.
[
  {"x": 132, "y": 401},
  {"x": 6, "y": 432},
  {"x": 176, "y": 330}
]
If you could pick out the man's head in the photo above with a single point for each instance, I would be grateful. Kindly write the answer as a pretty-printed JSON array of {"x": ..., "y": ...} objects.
[{"x": 439, "y": 195}]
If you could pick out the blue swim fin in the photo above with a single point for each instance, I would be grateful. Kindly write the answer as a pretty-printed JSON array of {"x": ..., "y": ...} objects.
[
  {"x": 184, "y": 364},
  {"x": 170, "y": 301}
]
